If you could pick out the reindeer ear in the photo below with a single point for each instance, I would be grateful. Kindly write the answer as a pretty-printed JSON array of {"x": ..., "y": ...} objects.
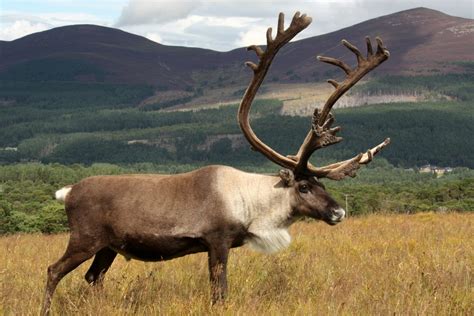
[{"x": 287, "y": 176}]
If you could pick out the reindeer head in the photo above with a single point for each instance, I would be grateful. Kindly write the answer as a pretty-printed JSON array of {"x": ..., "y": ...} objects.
[{"x": 310, "y": 197}]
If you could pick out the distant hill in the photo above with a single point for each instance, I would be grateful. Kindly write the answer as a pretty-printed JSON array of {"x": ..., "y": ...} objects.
[
  {"x": 421, "y": 41},
  {"x": 96, "y": 53}
]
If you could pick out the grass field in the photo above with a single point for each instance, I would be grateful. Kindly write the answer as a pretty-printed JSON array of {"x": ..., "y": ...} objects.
[{"x": 379, "y": 265}]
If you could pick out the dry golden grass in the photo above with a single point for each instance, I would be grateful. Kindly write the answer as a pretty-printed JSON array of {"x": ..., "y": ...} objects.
[{"x": 380, "y": 264}]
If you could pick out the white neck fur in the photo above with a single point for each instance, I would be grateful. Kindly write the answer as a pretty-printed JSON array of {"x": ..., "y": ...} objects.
[{"x": 260, "y": 204}]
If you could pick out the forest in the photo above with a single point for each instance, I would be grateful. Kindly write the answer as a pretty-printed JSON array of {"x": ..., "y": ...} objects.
[
  {"x": 27, "y": 190},
  {"x": 56, "y": 133},
  {"x": 88, "y": 123}
]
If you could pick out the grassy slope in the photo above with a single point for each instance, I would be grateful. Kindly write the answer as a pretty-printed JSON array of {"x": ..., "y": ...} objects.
[{"x": 378, "y": 265}]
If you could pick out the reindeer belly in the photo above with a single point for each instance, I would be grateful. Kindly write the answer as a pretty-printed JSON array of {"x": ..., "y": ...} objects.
[{"x": 158, "y": 248}]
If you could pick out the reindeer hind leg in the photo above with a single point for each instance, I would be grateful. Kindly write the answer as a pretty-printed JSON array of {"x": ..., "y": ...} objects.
[
  {"x": 102, "y": 262},
  {"x": 76, "y": 253}
]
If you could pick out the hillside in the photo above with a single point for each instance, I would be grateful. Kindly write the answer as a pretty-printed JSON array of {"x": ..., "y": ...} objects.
[
  {"x": 421, "y": 41},
  {"x": 91, "y": 53},
  {"x": 85, "y": 124}
]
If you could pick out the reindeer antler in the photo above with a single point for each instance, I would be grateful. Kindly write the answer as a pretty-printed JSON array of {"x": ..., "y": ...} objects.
[
  {"x": 283, "y": 36},
  {"x": 321, "y": 134}
]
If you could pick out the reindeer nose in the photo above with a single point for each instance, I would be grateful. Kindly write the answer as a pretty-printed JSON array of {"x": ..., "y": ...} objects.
[{"x": 338, "y": 214}]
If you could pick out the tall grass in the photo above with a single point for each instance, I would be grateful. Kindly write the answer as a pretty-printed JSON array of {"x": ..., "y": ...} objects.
[{"x": 379, "y": 264}]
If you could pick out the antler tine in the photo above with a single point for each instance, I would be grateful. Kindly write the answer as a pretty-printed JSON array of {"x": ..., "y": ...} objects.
[
  {"x": 370, "y": 51},
  {"x": 281, "y": 23},
  {"x": 367, "y": 157},
  {"x": 340, "y": 170},
  {"x": 269, "y": 36},
  {"x": 334, "y": 83},
  {"x": 251, "y": 65},
  {"x": 336, "y": 62},
  {"x": 381, "y": 48},
  {"x": 355, "y": 50},
  {"x": 258, "y": 50}
]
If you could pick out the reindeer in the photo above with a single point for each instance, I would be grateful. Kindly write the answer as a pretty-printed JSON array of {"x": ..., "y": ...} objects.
[{"x": 213, "y": 209}]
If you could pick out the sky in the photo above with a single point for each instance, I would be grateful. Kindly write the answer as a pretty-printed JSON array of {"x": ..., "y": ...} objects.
[{"x": 215, "y": 24}]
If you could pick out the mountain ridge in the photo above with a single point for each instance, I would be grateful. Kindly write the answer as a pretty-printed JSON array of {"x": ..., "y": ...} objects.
[{"x": 421, "y": 41}]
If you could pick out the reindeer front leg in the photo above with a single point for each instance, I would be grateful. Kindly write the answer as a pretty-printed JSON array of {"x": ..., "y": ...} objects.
[{"x": 217, "y": 255}]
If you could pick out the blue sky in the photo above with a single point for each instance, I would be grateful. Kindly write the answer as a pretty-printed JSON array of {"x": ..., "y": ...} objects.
[
  {"x": 216, "y": 24},
  {"x": 106, "y": 9}
]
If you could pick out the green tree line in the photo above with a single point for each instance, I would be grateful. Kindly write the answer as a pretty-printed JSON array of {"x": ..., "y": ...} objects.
[{"x": 27, "y": 190}]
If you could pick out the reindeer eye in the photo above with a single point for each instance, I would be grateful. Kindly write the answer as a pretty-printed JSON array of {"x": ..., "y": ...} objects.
[{"x": 304, "y": 188}]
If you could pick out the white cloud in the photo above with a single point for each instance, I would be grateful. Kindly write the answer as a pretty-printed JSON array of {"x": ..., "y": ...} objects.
[
  {"x": 139, "y": 12},
  {"x": 235, "y": 21},
  {"x": 67, "y": 18},
  {"x": 253, "y": 36},
  {"x": 154, "y": 37},
  {"x": 51, "y": 18},
  {"x": 15, "y": 24},
  {"x": 197, "y": 31},
  {"x": 21, "y": 28}
]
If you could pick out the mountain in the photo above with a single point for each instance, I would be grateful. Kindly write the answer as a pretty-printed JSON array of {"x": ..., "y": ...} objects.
[
  {"x": 421, "y": 41},
  {"x": 96, "y": 53}
]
